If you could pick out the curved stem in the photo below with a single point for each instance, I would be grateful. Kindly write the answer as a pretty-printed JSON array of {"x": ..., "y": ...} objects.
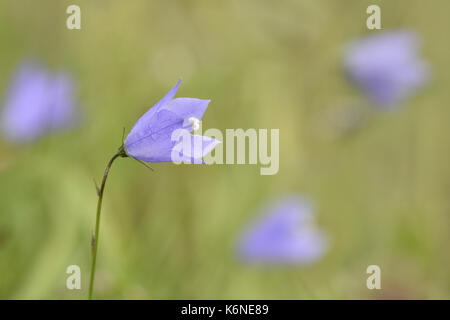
[{"x": 95, "y": 239}]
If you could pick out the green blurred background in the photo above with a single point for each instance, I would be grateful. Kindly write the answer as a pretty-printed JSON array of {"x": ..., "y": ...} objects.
[{"x": 382, "y": 192}]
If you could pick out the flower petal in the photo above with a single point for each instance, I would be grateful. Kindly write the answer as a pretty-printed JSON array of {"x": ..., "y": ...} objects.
[
  {"x": 153, "y": 141},
  {"x": 139, "y": 129},
  {"x": 200, "y": 146},
  {"x": 191, "y": 148},
  {"x": 187, "y": 108}
]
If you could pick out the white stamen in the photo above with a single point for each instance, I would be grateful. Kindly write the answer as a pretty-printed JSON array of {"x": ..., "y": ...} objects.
[{"x": 195, "y": 123}]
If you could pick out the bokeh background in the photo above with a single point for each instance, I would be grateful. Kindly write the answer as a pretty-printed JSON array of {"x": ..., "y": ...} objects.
[{"x": 381, "y": 192}]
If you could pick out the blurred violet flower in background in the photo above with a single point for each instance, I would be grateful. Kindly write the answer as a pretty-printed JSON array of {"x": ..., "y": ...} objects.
[
  {"x": 36, "y": 103},
  {"x": 151, "y": 138},
  {"x": 285, "y": 235},
  {"x": 386, "y": 66}
]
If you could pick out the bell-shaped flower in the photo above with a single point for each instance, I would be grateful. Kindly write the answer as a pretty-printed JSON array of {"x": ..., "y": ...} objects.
[
  {"x": 285, "y": 235},
  {"x": 386, "y": 66},
  {"x": 36, "y": 103},
  {"x": 155, "y": 136}
]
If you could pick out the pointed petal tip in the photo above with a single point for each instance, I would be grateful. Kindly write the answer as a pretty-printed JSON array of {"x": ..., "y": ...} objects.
[{"x": 177, "y": 84}]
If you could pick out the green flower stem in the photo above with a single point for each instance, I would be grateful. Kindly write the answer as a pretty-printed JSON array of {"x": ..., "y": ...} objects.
[{"x": 121, "y": 153}]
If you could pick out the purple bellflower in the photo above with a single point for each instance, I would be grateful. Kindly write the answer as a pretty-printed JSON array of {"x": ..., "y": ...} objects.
[
  {"x": 284, "y": 236},
  {"x": 154, "y": 137},
  {"x": 386, "y": 66},
  {"x": 37, "y": 102}
]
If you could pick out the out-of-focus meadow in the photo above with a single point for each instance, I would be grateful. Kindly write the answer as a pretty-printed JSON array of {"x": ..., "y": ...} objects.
[{"x": 381, "y": 192}]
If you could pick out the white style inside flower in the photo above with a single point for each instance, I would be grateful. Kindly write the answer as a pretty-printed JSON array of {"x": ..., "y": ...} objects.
[{"x": 195, "y": 123}]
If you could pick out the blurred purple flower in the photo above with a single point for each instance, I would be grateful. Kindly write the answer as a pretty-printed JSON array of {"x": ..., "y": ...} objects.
[
  {"x": 284, "y": 236},
  {"x": 386, "y": 66},
  {"x": 151, "y": 138},
  {"x": 37, "y": 102}
]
